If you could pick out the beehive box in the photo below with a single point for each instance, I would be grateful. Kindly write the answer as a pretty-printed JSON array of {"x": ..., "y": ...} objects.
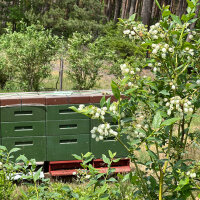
[{"x": 44, "y": 127}]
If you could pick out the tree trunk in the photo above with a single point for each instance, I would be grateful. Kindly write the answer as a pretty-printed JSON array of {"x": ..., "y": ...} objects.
[
  {"x": 117, "y": 10},
  {"x": 132, "y": 7},
  {"x": 123, "y": 9},
  {"x": 146, "y": 12},
  {"x": 127, "y": 9}
]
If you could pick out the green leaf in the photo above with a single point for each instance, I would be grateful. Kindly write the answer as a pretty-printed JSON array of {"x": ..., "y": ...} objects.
[
  {"x": 157, "y": 3},
  {"x": 112, "y": 179},
  {"x": 171, "y": 121},
  {"x": 88, "y": 154},
  {"x": 103, "y": 101},
  {"x": 115, "y": 90},
  {"x": 77, "y": 157},
  {"x": 3, "y": 148},
  {"x": 110, "y": 154},
  {"x": 132, "y": 17},
  {"x": 74, "y": 108},
  {"x": 22, "y": 158},
  {"x": 116, "y": 160},
  {"x": 14, "y": 150},
  {"x": 157, "y": 120},
  {"x": 75, "y": 195},
  {"x": 152, "y": 155},
  {"x": 164, "y": 92},
  {"x": 105, "y": 159},
  {"x": 36, "y": 176},
  {"x": 176, "y": 19},
  {"x": 166, "y": 13}
]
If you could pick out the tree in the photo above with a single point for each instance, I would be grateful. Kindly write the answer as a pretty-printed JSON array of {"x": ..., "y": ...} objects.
[
  {"x": 28, "y": 54},
  {"x": 146, "y": 11},
  {"x": 84, "y": 60}
]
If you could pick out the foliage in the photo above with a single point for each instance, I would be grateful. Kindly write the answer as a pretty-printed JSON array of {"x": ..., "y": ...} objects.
[
  {"x": 100, "y": 185},
  {"x": 8, "y": 169},
  {"x": 157, "y": 111},
  {"x": 28, "y": 54},
  {"x": 63, "y": 17},
  {"x": 84, "y": 60}
]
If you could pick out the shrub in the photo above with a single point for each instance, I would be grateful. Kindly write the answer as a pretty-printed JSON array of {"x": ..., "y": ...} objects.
[
  {"x": 28, "y": 54},
  {"x": 84, "y": 61},
  {"x": 157, "y": 112}
]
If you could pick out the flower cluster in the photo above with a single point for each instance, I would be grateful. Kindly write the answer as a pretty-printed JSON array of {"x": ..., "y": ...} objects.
[
  {"x": 103, "y": 130},
  {"x": 126, "y": 70},
  {"x": 192, "y": 175},
  {"x": 136, "y": 131},
  {"x": 162, "y": 49},
  {"x": 96, "y": 113},
  {"x": 156, "y": 31},
  {"x": 178, "y": 104},
  {"x": 137, "y": 31}
]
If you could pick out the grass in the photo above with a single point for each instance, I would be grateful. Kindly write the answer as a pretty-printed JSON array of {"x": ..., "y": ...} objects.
[{"x": 52, "y": 83}]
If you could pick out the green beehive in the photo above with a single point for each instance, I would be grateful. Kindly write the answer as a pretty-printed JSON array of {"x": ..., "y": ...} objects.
[
  {"x": 22, "y": 129},
  {"x": 109, "y": 143},
  {"x": 62, "y": 147},
  {"x": 31, "y": 147},
  {"x": 22, "y": 113},
  {"x": 62, "y": 112},
  {"x": 68, "y": 127}
]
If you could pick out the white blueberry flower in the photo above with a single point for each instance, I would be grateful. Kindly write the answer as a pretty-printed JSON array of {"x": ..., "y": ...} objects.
[
  {"x": 190, "y": 109},
  {"x": 165, "y": 99},
  {"x": 164, "y": 50},
  {"x": 154, "y": 45},
  {"x": 137, "y": 69},
  {"x": 148, "y": 182},
  {"x": 122, "y": 114},
  {"x": 155, "y": 69},
  {"x": 146, "y": 126},
  {"x": 126, "y": 70},
  {"x": 126, "y": 32},
  {"x": 155, "y": 37},
  {"x": 185, "y": 110},
  {"x": 162, "y": 35},
  {"x": 130, "y": 84},
  {"x": 171, "y": 50},
  {"x": 169, "y": 112},
  {"x": 159, "y": 64},
  {"x": 93, "y": 136},
  {"x": 154, "y": 51},
  {"x": 173, "y": 87},
  {"x": 185, "y": 105},
  {"x": 150, "y": 64},
  {"x": 132, "y": 72},
  {"x": 132, "y": 32},
  {"x": 193, "y": 175},
  {"x": 163, "y": 55},
  {"x": 198, "y": 82},
  {"x": 97, "y": 115},
  {"x": 167, "y": 104},
  {"x": 104, "y": 108},
  {"x": 166, "y": 46},
  {"x": 194, "y": 32},
  {"x": 100, "y": 137},
  {"x": 191, "y": 37}
]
